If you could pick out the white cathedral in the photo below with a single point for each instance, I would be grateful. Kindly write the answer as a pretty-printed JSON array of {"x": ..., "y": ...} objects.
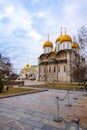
[{"x": 57, "y": 64}]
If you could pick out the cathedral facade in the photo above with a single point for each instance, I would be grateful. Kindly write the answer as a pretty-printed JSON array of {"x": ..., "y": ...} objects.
[{"x": 57, "y": 64}]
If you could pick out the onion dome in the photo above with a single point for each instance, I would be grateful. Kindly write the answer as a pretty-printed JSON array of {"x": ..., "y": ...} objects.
[
  {"x": 59, "y": 38},
  {"x": 48, "y": 43},
  {"x": 66, "y": 38},
  {"x": 75, "y": 45}
]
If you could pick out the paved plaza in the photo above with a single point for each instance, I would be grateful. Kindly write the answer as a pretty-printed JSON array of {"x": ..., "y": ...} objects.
[{"x": 37, "y": 111}]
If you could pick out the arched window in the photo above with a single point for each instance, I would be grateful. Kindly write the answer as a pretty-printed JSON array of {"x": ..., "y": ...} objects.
[
  {"x": 58, "y": 46},
  {"x": 48, "y": 50},
  {"x": 45, "y": 50},
  {"x": 64, "y": 68},
  {"x": 68, "y": 45},
  {"x": 59, "y": 69},
  {"x": 63, "y": 46},
  {"x": 44, "y": 69},
  {"x": 54, "y": 69},
  {"x": 40, "y": 69},
  {"x": 49, "y": 69}
]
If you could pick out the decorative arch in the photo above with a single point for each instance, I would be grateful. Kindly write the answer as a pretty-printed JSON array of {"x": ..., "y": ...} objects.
[
  {"x": 43, "y": 56},
  {"x": 62, "y": 54},
  {"x": 51, "y": 55}
]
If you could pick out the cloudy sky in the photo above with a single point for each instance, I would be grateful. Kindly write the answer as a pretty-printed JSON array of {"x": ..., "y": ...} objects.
[{"x": 25, "y": 25}]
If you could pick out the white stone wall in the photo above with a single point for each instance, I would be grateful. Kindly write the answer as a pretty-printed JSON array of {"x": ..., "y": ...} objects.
[
  {"x": 62, "y": 76},
  {"x": 65, "y": 45},
  {"x": 52, "y": 75},
  {"x": 57, "y": 46}
]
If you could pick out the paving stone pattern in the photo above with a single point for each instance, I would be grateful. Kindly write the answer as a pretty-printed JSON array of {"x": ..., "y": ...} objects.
[{"x": 36, "y": 111}]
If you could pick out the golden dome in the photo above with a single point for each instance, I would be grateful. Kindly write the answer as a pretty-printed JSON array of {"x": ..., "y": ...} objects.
[
  {"x": 66, "y": 38},
  {"x": 59, "y": 38},
  {"x": 75, "y": 45},
  {"x": 48, "y": 44}
]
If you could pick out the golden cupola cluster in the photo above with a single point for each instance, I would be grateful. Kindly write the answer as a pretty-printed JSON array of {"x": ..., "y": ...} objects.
[
  {"x": 65, "y": 38},
  {"x": 48, "y": 43},
  {"x": 62, "y": 38}
]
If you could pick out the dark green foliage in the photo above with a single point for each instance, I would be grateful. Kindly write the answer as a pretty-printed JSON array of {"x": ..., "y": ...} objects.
[{"x": 1, "y": 85}]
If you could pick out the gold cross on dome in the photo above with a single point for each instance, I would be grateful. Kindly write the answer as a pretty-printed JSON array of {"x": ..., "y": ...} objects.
[{"x": 61, "y": 31}]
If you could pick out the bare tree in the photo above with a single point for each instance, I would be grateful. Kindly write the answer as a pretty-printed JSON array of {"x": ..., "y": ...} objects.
[
  {"x": 80, "y": 75},
  {"x": 13, "y": 76},
  {"x": 82, "y": 39},
  {"x": 6, "y": 64},
  {"x": 5, "y": 67}
]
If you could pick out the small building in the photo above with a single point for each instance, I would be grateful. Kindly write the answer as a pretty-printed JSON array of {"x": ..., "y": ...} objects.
[{"x": 28, "y": 72}]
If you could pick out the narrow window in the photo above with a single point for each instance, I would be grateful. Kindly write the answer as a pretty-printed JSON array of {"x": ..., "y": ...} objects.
[
  {"x": 68, "y": 45},
  {"x": 58, "y": 46},
  {"x": 58, "y": 69},
  {"x": 63, "y": 46},
  {"x": 44, "y": 69},
  {"x": 40, "y": 70},
  {"x": 48, "y": 50},
  {"x": 54, "y": 69},
  {"x": 45, "y": 50},
  {"x": 64, "y": 68},
  {"x": 49, "y": 69}
]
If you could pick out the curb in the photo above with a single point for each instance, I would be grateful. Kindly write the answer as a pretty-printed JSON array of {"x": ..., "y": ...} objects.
[{"x": 21, "y": 94}]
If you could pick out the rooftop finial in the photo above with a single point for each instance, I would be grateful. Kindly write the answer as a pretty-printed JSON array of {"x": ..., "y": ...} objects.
[
  {"x": 48, "y": 37},
  {"x": 65, "y": 30},
  {"x": 61, "y": 31}
]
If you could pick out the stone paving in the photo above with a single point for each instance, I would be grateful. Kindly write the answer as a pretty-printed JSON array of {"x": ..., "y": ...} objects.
[{"x": 37, "y": 111}]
